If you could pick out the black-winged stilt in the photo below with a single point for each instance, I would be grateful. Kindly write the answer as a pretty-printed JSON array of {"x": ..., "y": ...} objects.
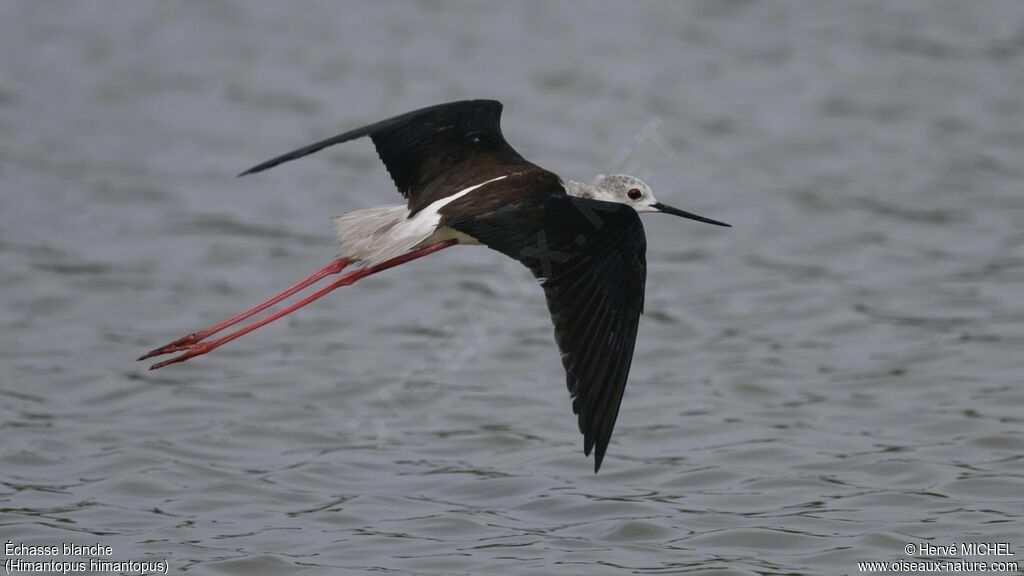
[{"x": 464, "y": 184}]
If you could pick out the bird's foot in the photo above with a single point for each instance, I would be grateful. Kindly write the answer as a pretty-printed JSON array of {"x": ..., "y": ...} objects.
[
  {"x": 189, "y": 342},
  {"x": 183, "y": 343},
  {"x": 197, "y": 349}
]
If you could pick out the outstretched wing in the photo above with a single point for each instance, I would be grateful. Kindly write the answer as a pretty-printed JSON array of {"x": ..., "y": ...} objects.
[
  {"x": 590, "y": 256},
  {"x": 418, "y": 148}
]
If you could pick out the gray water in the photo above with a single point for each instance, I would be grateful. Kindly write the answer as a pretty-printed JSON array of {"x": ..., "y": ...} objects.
[{"x": 835, "y": 377}]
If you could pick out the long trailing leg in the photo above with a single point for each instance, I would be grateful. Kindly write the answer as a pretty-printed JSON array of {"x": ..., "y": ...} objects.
[
  {"x": 184, "y": 342},
  {"x": 200, "y": 348}
]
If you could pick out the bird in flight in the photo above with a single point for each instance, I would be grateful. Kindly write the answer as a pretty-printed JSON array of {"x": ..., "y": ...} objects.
[{"x": 464, "y": 184}]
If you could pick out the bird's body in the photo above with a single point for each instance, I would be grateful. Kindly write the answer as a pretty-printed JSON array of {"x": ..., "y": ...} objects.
[{"x": 464, "y": 184}]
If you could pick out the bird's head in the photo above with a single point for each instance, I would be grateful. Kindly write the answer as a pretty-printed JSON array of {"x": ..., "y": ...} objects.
[{"x": 632, "y": 191}]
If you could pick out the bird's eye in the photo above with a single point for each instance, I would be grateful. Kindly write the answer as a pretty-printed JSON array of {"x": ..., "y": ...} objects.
[{"x": 634, "y": 193}]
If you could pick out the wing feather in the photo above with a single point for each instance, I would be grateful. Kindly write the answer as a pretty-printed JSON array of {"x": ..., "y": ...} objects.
[
  {"x": 594, "y": 291},
  {"x": 419, "y": 148}
]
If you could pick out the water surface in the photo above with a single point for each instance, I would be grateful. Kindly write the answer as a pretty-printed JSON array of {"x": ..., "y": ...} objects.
[{"x": 836, "y": 376}]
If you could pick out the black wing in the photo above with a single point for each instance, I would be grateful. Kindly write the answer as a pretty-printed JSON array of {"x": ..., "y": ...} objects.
[
  {"x": 418, "y": 147},
  {"x": 591, "y": 258}
]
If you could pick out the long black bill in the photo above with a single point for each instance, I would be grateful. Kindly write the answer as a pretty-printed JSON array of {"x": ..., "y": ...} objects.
[{"x": 677, "y": 212}]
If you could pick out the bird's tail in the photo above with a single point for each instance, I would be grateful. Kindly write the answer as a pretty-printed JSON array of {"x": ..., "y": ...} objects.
[{"x": 372, "y": 235}]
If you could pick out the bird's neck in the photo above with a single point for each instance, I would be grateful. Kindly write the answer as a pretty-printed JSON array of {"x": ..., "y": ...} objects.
[{"x": 578, "y": 189}]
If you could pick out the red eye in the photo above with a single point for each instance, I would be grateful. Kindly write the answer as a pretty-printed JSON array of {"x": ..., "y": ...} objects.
[{"x": 634, "y": 193}]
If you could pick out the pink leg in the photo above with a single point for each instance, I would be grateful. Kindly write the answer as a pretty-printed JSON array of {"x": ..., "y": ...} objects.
[
  {"x": 183, "y": 343},
  {"x": 200, "y": 348}
]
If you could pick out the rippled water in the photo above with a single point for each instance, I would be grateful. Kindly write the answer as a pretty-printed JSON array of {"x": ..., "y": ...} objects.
[{"x": 836, "y": 376}]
